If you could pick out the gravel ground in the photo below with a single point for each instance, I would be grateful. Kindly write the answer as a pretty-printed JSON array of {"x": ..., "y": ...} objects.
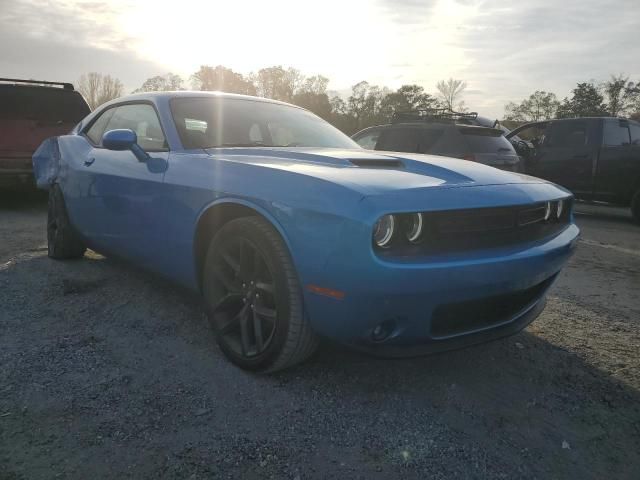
[{"x": 109, "y": 372}]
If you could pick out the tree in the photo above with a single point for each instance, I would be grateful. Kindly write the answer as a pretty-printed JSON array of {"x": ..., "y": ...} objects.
[
  {"x": 161, "y": 83},
  {"x": 622, "y": 96},
  {"x": 222, "y": 79},
  {"x": 312, "y": 95},
  {"x": 277, "y": 83},
  {"x": 539, "y": 106},
  {"x": 586, "y": 101},
  {"x": 365, "y": 104},
  {"x": 406, "y": 98},
  {"x": 450, "y": 92},
  {"x": 97, "y": 88}
]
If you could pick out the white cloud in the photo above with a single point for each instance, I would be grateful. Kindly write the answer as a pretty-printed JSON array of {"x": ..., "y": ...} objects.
[{"x": 503, "y": 50}]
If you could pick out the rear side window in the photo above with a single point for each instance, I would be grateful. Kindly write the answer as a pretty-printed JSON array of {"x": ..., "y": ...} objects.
[
  {"x": 42, "y": 104},
  {"x": 567, "y": 134},
  {"x": 142, "y": 119},
  {"x": 634, "y": 128},
  {"x": 481, "y": 142},
  {"x": 411, "y": 140},
  {"x": 616, "y": 133}
]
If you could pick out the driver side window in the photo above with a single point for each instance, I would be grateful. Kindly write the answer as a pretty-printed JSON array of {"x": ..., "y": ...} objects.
[{"x": 142, "y": 119}]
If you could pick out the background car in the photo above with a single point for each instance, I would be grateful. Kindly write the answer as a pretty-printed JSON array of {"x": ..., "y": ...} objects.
[
  {"x": 291, "y": 232},
  {"x": 597, "y": 158},
  {"x": 442, "y": 133},
  {"x": 31, "y": 111}
]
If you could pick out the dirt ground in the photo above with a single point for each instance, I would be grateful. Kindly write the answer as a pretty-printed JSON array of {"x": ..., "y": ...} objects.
[{"x": 109, "y": 372}]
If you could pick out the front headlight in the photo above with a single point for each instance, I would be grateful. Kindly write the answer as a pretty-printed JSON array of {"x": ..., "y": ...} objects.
[
  {"x": 414, "y": 227},
  {"x": 560, "y": 209},
  {"x": 383, "y": 230}
]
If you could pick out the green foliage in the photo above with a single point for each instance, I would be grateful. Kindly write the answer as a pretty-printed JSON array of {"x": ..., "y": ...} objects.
[
  {"x": 586, "y": 101},
  {"x": 622, "y": 96},
  {"x": 222, "y": 79},
  {"x": 539, "y": 106},
  {"x": 161, "y": 83}
]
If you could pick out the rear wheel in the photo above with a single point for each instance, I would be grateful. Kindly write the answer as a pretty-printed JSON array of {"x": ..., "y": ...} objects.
[
  {"x": 635, "y": 206},
  {"x": 253, "y": 298},
  {"x": 62, "y": 239}
]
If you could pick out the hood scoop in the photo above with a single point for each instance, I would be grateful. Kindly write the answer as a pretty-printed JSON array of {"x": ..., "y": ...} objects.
[{"x": 377, "y": 163}]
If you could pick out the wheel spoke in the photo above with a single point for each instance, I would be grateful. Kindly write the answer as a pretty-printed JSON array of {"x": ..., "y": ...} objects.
[
  {"x": 265, "y": 287},
  {"x": 233, "y": 322},
  {"x": 244, "y": 330},
  {"x": 227, "y": 302},
  {"x": 247, "y": 255},
  {"x": 257, "y": 330},
  {"x": 227, "y": 282},
  {"x": 266, "y": 312},
  {"x": 229, "y": 260}
]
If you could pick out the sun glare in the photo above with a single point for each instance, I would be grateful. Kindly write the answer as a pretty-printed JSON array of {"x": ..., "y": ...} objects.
[{"x": 346, "y": 41}]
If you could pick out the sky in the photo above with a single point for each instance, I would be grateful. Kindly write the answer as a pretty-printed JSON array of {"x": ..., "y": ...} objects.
[{"x": 503, "y": 50}]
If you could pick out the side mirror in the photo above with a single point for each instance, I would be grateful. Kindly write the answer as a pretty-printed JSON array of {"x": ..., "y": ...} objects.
[{"x": 124, "y": 139}]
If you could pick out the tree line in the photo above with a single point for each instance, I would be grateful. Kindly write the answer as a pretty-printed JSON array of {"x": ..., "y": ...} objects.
[{"x": 370, "y": 104}]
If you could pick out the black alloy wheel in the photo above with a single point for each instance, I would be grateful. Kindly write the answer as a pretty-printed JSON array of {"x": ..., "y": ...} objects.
[{"x": 253, "y": 297}]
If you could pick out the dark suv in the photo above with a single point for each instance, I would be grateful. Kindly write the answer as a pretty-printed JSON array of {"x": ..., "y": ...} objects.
[
  {"x": 31, "y": 111},
  {"x": 597, "y": 158},
  {"x": 439, "y": 132}
]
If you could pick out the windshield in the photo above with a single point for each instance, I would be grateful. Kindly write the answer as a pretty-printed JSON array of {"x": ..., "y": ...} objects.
[{"x": 230, "y": 122}]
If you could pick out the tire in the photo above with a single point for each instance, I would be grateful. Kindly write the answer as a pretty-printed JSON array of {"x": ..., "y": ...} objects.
[
  {"x": 253, "y": 298},
  {"x": 635, "y": 207},
  {"x": 62, "y": 240}
]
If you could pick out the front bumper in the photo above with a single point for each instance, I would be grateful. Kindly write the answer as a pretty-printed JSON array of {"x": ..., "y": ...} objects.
[{"x": 416, "y": 303}]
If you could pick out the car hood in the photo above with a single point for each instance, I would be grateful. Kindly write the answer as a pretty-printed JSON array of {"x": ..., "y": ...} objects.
[{"x": 374, "y": 172}]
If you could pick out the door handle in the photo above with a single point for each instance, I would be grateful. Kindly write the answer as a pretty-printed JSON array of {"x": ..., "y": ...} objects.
[{"x": 89, "y": 161}]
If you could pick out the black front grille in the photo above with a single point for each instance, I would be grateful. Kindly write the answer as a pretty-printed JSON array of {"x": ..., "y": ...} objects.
[
  {"x": 457, "y": 318},
  {"x": 474, "y": 229}
]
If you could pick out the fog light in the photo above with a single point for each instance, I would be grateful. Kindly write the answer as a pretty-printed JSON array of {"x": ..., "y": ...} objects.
[{"x": 382, "y": 331}]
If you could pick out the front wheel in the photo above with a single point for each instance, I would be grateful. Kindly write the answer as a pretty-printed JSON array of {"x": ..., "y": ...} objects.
[
  {"x": 62, "y": 240},
  {"x": 253, "y": 298},
  {"x": 635, "y": 206}
]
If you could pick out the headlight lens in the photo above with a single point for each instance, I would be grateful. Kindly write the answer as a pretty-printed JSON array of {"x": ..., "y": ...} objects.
[
  {"x": 414, "y": 227},
  {"x": 383, "y": 230},
  {"x": 547, "y": 211},
  {"x": 560, "y": 208}
]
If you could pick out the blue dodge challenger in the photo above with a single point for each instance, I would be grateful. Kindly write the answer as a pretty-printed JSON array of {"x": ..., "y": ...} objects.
[{"x": 291, "y": 232}]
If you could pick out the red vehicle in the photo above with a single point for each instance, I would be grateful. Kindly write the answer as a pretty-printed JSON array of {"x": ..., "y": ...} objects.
[{"x": 30, "y": 112}]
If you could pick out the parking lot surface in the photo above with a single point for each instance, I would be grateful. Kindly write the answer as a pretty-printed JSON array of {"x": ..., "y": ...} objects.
[{"x": 107, "y": 371}]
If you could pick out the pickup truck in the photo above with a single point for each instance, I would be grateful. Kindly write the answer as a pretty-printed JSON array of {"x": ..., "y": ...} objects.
[
  {"x": 597, "y": 158},
  {"x": 30, "y": 111}
]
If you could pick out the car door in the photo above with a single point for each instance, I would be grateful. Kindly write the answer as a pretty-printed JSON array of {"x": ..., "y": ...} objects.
[
  {"x": 566, "y": 155},
  {"x": 123, "y": 194},
  {"x": 615, "y": 176}
]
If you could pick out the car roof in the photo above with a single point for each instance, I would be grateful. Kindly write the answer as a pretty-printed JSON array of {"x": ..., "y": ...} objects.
[
  {"x": 426, "y": 125},
  {"x": 195, "y": 94}
]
